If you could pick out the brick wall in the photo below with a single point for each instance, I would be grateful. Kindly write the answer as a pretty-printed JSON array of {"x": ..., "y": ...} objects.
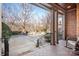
[{"x": 71, "y": 23}]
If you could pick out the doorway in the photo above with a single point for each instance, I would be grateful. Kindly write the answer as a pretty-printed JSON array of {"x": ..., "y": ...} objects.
[{"x": 61, "y": 26}]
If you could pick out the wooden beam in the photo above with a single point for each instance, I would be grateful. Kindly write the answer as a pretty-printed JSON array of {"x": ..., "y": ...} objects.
[
  {"x": 57, "y": 7},
  {"x": 43, "y": 6},
  {"x": 74, "y": 9}
]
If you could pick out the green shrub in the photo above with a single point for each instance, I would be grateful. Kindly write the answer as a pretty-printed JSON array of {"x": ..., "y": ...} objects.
[
  {"x": 60, "y": 35},
  {"x": 16, "y": 32},
  {"x": 48, "y": 37},
  {"x": 6, "y": 32}
]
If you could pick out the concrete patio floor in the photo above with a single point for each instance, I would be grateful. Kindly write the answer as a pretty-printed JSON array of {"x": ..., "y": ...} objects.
[
  {"x": 21, "y": 45},
  {"x": 50, "y": 50}
]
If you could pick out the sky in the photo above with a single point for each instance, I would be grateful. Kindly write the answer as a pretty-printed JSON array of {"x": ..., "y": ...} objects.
[{"x": 37, "y": 11}]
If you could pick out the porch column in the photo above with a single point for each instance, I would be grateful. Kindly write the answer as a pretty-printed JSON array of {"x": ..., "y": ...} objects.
[
  {"x": 52, "y": 28},
  {"x": 0, "y": 20},
  {"x": 77, "y": 21},
  {"x": 56, "y": 27},
  {"x": 0, "y": 29}
]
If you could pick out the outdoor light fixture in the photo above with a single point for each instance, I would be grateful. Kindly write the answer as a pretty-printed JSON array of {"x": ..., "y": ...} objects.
[{"x": 68, "y": 7}]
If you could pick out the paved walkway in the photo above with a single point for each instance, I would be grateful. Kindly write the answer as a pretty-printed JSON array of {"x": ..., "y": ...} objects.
[{"x": 22, "y": 43}]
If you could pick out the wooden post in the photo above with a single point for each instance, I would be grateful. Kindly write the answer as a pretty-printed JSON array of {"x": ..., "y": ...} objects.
[
  {"x": 52, "y": 28},
  {"x": 56, "y": 27},
  {"x": 77, "y": 13},
  {"x": 0, "y": 30},
  {"x": 6, "y": 47}
]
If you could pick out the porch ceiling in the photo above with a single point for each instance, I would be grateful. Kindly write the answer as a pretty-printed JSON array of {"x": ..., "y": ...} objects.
[{"x": 66, "y": 6}]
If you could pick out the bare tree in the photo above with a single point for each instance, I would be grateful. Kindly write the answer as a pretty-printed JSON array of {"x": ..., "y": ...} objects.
[
  {"x": 8, "y": 17},
  {"x": 46, "y": 21},
  {"x": 26, "y": 14},
  {"x": 20, "y": 20}
]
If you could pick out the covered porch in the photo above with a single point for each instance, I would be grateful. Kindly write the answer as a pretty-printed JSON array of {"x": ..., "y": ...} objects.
[{"x": 63, "y": 28}]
